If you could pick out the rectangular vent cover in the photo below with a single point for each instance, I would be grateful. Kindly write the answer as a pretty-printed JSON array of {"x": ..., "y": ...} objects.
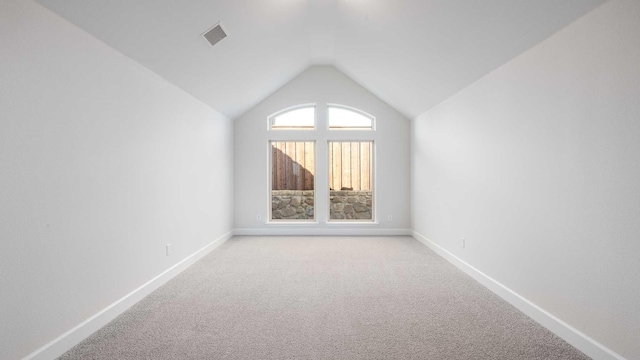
[{"x": 216, "y": 34}]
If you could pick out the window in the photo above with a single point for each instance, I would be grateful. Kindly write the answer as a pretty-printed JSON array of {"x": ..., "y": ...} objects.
[
  {"x": 347, "y": 163},
  {"x": 343, "y": 118},
  {"x": 292, "y": 180},
  {"x": 350, "y": 180},
  {"x": 300, "y": 118}
]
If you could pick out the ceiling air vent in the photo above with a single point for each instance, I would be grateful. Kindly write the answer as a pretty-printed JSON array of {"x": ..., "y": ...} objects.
[{"x": 215, "y": 34}]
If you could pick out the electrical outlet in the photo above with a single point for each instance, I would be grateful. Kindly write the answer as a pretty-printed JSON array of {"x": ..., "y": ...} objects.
[
  {"x": 463, "y": 243},
  {"x": 168, "y": 248},
  {"x": 389, "y": 217},
  {"x": 258, "y": 217}
]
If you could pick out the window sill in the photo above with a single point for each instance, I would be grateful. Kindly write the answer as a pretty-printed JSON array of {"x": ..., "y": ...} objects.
[
  {"x": 350, "y": 223},
  {"x": 326, "y": 223},
  {"x": 292, "y": 223}
]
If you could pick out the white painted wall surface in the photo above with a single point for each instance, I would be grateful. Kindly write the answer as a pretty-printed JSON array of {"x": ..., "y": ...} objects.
[
  {"x": 321, "y": 85},
  {"x": 102, "y": 163},
  {"x": 537, "y": 165}
]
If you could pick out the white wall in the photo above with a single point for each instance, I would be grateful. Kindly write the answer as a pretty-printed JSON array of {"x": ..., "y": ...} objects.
[
  {"x": 101, "y": 164},
  {"x": 537, "y": 165},
  {"x": 321, "y": 85}
]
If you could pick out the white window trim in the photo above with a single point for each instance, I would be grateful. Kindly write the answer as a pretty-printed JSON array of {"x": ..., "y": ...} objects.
[
  {"x": 293, "y": 108},
  {"x": 303, "y": 222},
  {"x": 373, "y": 187},
  {"x": 355, "y": 110},
  {"x": 321, "y": 135}
]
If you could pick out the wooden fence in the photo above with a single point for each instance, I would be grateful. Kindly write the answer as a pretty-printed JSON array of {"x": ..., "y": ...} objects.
[
  {"x": 293, "y": 165},
  {"x": 350, "y": 165}
]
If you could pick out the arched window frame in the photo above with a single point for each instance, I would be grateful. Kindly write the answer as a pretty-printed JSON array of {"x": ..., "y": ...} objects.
[
  {"x": 272, "y": 117},
  {"x": 354, "y": 110},
  {"x": 322, "y": 135}
]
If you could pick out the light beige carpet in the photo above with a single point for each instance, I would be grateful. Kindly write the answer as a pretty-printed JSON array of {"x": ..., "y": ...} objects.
[{"x": 323, "y": 298}]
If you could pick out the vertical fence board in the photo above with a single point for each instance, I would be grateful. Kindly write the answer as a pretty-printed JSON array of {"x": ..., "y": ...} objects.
[
  {"x": 365, "y": 151},
  {"x": 346, "y": 165},
  {"x": 309, "y": 157},
  {"x": 330, "y": 146},
  {"x": 286, "y": 173},
  {"x": 291, "y": 181},
  {"x": 337, "y": 165},
  {"x": 300, "y": 164},
  {"x": 355, "y": 166},
  {"x": 281, "y": 148},
  {"x": 274, "y": 172},
  {"x": 288, "y": 159}
]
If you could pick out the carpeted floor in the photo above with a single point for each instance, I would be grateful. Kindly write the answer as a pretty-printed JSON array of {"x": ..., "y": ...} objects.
[{"x": 323, "y": 298}]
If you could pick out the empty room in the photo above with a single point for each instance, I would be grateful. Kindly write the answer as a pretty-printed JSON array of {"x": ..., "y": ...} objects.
[{"x": 320, "y": 179}]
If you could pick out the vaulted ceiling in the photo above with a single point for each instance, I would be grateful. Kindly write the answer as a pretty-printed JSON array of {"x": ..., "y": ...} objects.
[{"x": 410, "y": 53}]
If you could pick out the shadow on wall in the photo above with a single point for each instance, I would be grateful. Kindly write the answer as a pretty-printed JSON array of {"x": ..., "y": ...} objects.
[{"x": 292, "y": 165}]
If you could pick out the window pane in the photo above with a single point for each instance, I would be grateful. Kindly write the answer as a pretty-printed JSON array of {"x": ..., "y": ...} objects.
[
  {"x": 292, "y": 181},
  {"x": 296, "y": 119},
  {"x": 341, "y": 118},
  {"x": 350, "y": 180}
]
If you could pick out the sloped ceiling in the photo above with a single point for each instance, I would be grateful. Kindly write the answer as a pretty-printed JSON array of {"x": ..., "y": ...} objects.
[{"x": 410, "y": 53}]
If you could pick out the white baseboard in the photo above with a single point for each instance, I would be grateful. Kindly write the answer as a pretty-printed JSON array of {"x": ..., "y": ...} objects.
[
  {"x": 570, "y": 334},
  {"x": 66, "y": 341},
  {"x": 315, "y": 231}
]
